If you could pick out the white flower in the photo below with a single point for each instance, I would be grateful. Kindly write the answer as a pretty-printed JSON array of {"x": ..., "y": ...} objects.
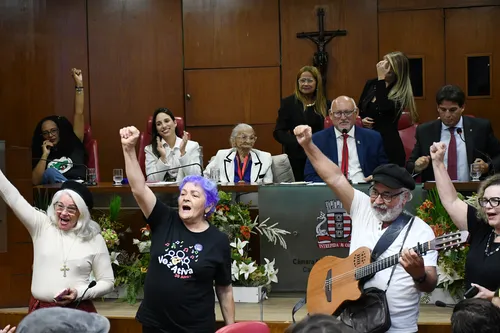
[
  {"x": 135, "y": 241},
  {"x": 144, "y": 246},
  {"x": 239, "y": 245},
  {"x": 269, "y": 266},
  {"x": 246, "y": 270},
  {"x": 272, "y": 276},
  {"x": 113, "y": 257},
  {"x": 445, "y": 278},
  {"x": 146, "y": 233},
  {"x": 235, "y": 271}
]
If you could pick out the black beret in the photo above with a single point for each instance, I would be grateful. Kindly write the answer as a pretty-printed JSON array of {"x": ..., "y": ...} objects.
[
  {"x": 393, "y": 176},
  {"x": 81, "y": 189}
]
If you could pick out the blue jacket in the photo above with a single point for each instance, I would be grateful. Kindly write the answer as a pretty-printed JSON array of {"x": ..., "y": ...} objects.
[{"x": 369, "y": 146}]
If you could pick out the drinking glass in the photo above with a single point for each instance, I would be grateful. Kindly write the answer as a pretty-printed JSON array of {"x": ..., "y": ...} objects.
[
  {"x": 117, "y": 176},
  {"x": 215, "y": 174},
  {"x": 91, "y": 176},
  {"x": 475, "y": 171}
]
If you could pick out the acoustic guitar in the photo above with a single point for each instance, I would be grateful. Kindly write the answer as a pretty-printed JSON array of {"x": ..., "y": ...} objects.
[{"x": 333, "y": 280}]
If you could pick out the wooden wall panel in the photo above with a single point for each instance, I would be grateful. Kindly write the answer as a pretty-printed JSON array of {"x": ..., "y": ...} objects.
[
  {"x": 231, "y": 96},
  {"x": 423, "y": 35},
  {"x": 40, "y": 42},
  {"x": 231, "y": 33},
  {"x": 352, "y": 58},
  {"x": 391, "y": 5},
  {"x": 135, "y": 55},
  {"x": 474, "y": 31}
]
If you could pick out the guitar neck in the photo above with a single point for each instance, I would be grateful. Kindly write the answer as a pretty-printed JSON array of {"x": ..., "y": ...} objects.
[{"x": 380, "y": 265}]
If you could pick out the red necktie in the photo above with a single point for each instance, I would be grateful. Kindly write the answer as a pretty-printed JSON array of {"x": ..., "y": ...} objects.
[
  {"x": 452, "y": 155},
  {"x": 345, "y": 157}
]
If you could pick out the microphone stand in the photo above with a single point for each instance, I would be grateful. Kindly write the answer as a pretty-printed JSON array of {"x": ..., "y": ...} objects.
[{"x": 262, "y": 298}]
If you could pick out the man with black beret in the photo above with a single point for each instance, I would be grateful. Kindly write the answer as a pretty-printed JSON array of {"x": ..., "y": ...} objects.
[{"x": 372, "y": 215}]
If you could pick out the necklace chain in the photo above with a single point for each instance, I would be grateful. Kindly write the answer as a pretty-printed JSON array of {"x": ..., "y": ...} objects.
[
  {"x": 64, "y": 267},
  {"x": 487, "y": 251}
]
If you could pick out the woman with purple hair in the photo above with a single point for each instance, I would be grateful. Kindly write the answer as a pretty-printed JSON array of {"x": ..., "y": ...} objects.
[{"x": 188, "y": 255}]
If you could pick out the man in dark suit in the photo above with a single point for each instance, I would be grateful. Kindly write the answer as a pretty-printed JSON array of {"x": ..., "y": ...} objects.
[
  {"x": 470, "y": 140},
  {"x": 356, "y": 150}
]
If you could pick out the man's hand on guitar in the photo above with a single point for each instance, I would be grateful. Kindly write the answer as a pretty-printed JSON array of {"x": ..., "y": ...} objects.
[{"x": 412, "y": 263}]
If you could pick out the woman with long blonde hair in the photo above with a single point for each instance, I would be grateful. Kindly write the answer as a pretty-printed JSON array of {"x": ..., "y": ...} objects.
[
  {"x": 306, "y": 106},
  {"x": 385, "y": 98}
]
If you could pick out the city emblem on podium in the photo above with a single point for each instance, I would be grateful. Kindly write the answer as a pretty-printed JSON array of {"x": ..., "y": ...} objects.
[{"x": 333, "y": 229}]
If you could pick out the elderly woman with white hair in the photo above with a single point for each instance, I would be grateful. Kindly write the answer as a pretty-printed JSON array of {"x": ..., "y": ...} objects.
[
  {"x": 242, "y": 162},
  {"x": 67, "y": 247}
]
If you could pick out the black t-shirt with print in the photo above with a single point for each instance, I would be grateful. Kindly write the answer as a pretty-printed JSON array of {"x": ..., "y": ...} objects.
[
  {"x": 479, "y": 268},
  {"x": 178, "y": 292},
  {"x": 70, "y": 163}
]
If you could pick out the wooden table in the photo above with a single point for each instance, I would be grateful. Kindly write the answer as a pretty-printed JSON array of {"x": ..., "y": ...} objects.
[
  {"x": 108, "y": 187},
  {"x": 459, "y": 186}
]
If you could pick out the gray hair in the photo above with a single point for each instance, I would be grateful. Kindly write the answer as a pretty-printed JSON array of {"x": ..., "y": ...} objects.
[
  {"x": 85, "y": 228},
  {"x": 62, "y": 320},
  {"x": 236, "y": 130}
]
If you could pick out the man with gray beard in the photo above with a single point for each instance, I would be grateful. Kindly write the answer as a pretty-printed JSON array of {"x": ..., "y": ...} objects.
[{"x": 371, "y": 215}]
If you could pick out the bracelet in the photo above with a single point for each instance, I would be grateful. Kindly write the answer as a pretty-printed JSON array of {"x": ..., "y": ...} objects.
[
  {"x": 78, "y": 88},
  {"x": 421, "y": 279}
]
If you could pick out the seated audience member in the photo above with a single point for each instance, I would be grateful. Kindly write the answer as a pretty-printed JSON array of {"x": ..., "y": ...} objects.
[
  {"x": 67, "y": 247},
  {"x": 57, "y": 148},
  {"x": 372, "y": 214},
  {"x": 319, "y": 323},
  {"x": 469, "y": 140},
  {"x": 58, "y": 320},
  {"x": 482, "y": 266},
  {"x": 306, "y": 106},
  {"x": 475, "y": 316},
  {"x": 385, "y": 98},
  {"x": 168, "y": 151},
  {"x": 8, "y": 329},
  {"x": 242, "y": 163},
  {"x": 357, "y": 150}
]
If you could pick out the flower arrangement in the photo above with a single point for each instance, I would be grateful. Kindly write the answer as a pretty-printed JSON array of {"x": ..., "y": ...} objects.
[
  {"x": 451, "y": 263},
  {"x": 234, "y": 220}
]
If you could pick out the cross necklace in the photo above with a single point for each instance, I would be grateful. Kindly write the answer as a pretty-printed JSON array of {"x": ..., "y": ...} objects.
[{"x": 64, "y": 267}]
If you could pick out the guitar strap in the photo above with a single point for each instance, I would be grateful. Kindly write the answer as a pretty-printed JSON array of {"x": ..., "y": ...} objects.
[{"x": 390, "y": 234}]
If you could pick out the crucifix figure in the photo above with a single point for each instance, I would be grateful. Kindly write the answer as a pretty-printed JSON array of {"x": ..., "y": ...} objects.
[
  {"x": 64, "y": 269},
  {"x": 321, "y": 38}
]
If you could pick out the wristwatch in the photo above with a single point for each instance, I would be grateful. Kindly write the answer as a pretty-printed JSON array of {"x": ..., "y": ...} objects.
[{"x": 421, "y": 279}]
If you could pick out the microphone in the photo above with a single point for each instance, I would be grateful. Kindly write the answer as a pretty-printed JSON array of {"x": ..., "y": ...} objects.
[
  {"x": 262, "y": 298},
  {"x": 443, "y": 304},
  {"x": 91, "y": 285},
  {"x": 490, "y": 161},
  {"x": 176, "y": 168},
  {"x": 86, "y": 182}
]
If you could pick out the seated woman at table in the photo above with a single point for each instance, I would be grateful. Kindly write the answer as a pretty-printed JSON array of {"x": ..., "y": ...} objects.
[
  {"x": 242, "y": 162},
  {"x": 168, "y": 151},
  {"x": 189, "y": 256},
  {"x": 482, "y": 266},
  {"x": 57, "y": 146},
  {"x": 67, "y": 247}
]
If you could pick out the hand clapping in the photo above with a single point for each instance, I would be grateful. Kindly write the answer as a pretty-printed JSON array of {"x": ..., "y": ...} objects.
[
  {"x": 8, "y": 329},
  {"x": 184, "y": 142}
]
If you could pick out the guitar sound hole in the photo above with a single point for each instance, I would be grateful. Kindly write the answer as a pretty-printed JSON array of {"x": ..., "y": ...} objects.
[{"x": 359, "y": 259}]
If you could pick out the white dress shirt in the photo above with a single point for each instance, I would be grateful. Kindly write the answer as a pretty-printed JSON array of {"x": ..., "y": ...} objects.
[
  {"x": 462, "y": 163},
  {"x": 173, "y": 160},
  {"x": 355, "y": 173}
]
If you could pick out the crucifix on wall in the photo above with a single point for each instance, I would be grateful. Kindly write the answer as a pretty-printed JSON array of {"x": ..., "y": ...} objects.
[{"x": 321, "y": 38}]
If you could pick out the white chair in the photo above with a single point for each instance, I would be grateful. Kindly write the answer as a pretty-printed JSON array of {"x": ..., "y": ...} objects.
[{"x": 281, "y": 168}]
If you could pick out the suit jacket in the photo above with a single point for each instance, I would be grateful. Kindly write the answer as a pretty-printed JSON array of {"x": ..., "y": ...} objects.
[
  {"x": 369, "y": 147},
  {"x": 224, "y": 160},
  {"x": 290, "y": 115},
  {"x": 480, "y": 142}
]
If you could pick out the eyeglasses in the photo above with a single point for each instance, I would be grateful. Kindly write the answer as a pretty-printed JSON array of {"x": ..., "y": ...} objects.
[
  {"x": 386, "y": 196},
  {"x": 338, "y": 114},
  {"x": 246, "y": 137},
  {"x": 306, "y": 80},
  {"x": 53, "y": 131},
  {"x": 59, "y": 207},
  {"x": 494, "y": 202}
]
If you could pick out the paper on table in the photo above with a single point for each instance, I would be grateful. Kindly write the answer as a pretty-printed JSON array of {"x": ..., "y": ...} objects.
[
  {"x": 294, "y": 183},
  {"x": 160, "y": 183}
]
